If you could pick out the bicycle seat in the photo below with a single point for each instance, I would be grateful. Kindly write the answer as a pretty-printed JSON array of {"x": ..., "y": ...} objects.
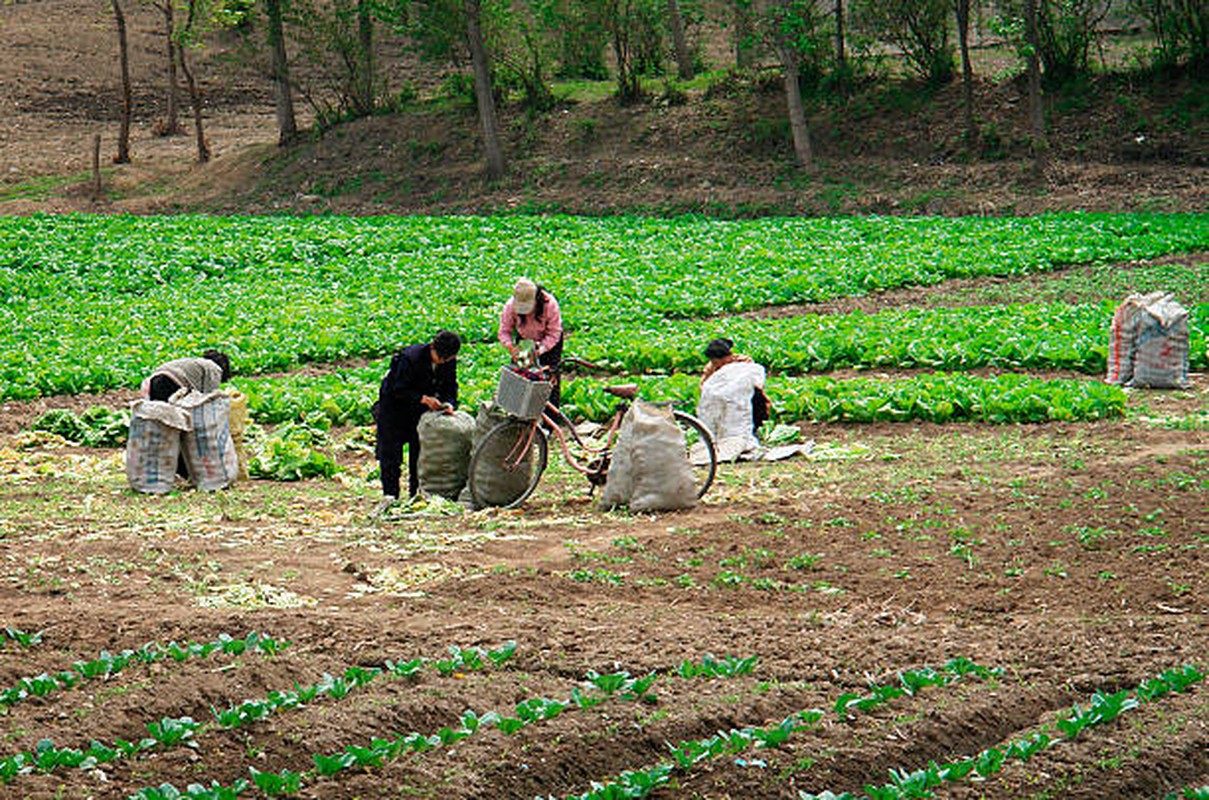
[{"x": 626, "y": 391}]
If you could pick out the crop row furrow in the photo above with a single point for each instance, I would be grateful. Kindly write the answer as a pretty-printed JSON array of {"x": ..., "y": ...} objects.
[
  {"x": 169, "y": 731},
  {"x": 598, "y": 688},
  {"x": 685, "y": 756},
  {"x": 107, "y": 664}
]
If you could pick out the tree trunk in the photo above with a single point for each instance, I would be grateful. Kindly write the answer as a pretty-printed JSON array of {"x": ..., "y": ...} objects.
[
  {"x": 797, "y": 111},
  {"x": 172, "y": 125},
  {"x": 684, "y": 56},
  {"x": 482, "y": 91},
  {"x": 1040, "y": 145},
  {"x": 123, "y": 154},
  {"x": 365, "y": 35},
  {"x": 287, "y": 126},
  {"x": 841, "y": 61},
  {"x": 203, "y": 148},
  {"x": 98, "y": 190},
  {"x": 967, "y": 69},
  {"x": 745, "y": 53}
]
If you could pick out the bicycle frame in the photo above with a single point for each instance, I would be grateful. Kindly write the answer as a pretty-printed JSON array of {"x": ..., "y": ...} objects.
[{"x": 592, "y": 462}]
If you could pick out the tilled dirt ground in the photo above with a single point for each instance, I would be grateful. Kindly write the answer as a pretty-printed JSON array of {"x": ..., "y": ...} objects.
[{"x": 1072, "y": 557}]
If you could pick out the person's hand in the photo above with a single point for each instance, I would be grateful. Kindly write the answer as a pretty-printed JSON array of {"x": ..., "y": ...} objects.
[
  {"x": 431, "y": 403},
  {"x": 513, "y": 351}
]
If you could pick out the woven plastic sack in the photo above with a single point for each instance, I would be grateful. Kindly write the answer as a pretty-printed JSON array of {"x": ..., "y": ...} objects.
[
  {"x": 1148, "y": 343},
  {"x": 444, "y": 452},
  {"x": 154, "y": 445},
  {"x": 499, "y": 487},
  {"x": 650, "y": 470},
  {"x": 725, "y": 408},
  {"x": 239, "y": 424},
  {"x": 208, "y": 448}
]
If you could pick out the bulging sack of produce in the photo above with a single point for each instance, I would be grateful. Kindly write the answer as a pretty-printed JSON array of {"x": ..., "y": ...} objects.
[
  {"x": 207, "y": 446},
  {"x": 1148, "y": 343},
  {"x": 726, "y": 408},
  {"x": 444, "y": 452},
  {"x": 496, "y": 485},
  {"x": 154, "y": 445},
  {"x": 239, "y": 424},
  {"x": 650, "y": 470}
]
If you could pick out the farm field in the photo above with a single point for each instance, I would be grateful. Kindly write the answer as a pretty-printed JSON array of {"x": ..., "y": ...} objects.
[{"x": 987, "y": 580}]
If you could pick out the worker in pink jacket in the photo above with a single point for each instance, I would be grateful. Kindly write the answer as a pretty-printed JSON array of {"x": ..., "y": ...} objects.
[{"x": 532, "y": 314}]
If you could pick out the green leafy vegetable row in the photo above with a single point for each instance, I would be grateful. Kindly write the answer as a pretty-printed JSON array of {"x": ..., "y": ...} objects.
[
  {"x": 94, "y": 302},
  {"x": 109, "y": 664},
  {"x": 168, "y": 732},
  {"x": 1104, "y": 708},
  {"x": 1033, "y": 336},
  {"x": 618, "y": 685}
]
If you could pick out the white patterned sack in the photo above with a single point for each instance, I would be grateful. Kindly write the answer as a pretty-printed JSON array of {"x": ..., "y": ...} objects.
[
  {"x": 208, "y": 448},
  {"x": 444, "y": 452},
  {"x": 1148, "y": 343},
  {"x": 650, "y": 470},
  {"x": 154, "y": 445}
]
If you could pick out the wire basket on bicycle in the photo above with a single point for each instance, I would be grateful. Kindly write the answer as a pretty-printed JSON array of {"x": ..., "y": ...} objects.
[{"x": 522, "y": 392}]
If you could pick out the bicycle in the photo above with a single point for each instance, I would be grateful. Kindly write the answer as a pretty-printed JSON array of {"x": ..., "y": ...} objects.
[{"x": 508, "y": 462}]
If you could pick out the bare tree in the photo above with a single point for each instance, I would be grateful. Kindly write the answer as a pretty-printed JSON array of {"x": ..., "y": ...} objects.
[
  {"x": 684, "y": 56},
  {"x": 365, "y": 68},
  {"x": 171, "y": 125},
  {"x": 841, "y": 60},
  {"x": 287, "y": 126},
  {"x": 123, "y": 154},
  {"x": 1040, "y": 145},
  {"x": 745, "y": 52},
  {"x": 186, "y": 36},
  {"x": 962, "y": 8},
  {"x": 484, "y": 97},
  {"x": 797, "y": 111}
]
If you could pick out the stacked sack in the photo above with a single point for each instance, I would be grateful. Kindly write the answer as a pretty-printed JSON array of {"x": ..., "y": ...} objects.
[
  {"x": 1148, "y": 343},
  {"x": 192, "y": 427}
]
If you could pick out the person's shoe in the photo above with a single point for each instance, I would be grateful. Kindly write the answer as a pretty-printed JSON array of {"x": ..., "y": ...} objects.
[{"x": 382, "y": 505}]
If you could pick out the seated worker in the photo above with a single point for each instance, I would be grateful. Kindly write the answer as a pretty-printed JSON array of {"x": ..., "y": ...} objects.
[
  {"x": 733, "y": 404},
  {"x": 532, "y": 314},
  {"x": 422, "y": 377}
]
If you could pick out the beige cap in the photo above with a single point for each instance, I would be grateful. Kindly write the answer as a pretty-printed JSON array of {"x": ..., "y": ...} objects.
[{"x": 524, "y": 296}]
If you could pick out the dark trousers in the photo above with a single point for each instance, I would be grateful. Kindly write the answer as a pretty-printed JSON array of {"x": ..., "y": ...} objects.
[
  {"x": 392, "y": 435},
  {"x": 553, "y": 358}
]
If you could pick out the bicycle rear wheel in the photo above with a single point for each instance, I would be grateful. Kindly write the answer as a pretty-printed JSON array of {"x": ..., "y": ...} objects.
[
  {"x": 507, "y": 463},
  {"x": 701, "y": 451}
]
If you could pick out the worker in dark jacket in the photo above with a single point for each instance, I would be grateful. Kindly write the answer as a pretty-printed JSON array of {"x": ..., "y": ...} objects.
[{"x": 422, "y": 377}]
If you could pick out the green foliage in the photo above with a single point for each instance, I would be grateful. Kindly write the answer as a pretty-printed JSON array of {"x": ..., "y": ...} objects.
[
  {"x": 95, "y": 427},
  {"x": 279, "y": 292},
  {"x": 919, "y": 28},
  {"x": 1066, "y": 31},
  {"x": 1181, "y": 30},
  {"x": 289, "y": 453}
]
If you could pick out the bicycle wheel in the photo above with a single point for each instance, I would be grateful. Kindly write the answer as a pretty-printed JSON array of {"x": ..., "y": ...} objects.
[
  {"x": 507, "y": 463},
  {"x": 701, "y": 452}
]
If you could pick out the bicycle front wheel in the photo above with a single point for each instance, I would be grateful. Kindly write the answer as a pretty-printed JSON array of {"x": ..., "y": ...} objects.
[
  {"x": 507, "y": 463},
  {"x": 701, "y": 451}
]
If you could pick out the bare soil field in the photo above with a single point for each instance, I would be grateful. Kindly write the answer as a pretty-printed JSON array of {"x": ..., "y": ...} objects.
[{"x": 1070, "y": 557}]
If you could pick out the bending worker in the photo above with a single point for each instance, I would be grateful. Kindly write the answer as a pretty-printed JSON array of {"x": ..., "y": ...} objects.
[
  {"x": 532, "y": 314},
  {"x": 422, "y": 377}
]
